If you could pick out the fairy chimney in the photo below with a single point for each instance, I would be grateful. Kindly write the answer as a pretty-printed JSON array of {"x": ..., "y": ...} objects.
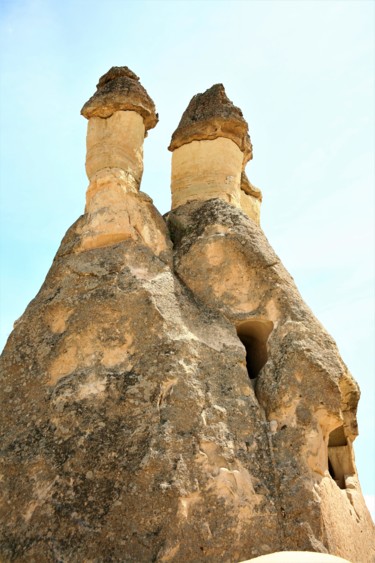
[
  {"x": 119, "y": 115},
  {"x": 211, "y": 147},
  {"x": 174, "y": 403}
]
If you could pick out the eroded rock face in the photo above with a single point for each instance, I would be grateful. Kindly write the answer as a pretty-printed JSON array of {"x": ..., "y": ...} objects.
[
  {"x": 130, "y": 428},
  {"x": 120, "y": 90},
  {"x": 173, "y": 402},
  {"x": 205, "y": 170},
  {"x": 119, "y": 114},
  {"x": 116, "y": 142},
  {"x": 308, "y": 395}
]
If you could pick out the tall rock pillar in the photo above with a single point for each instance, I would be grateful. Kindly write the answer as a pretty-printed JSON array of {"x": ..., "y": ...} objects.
[
  {"x": 301, "y": 384},
  {"x": 120, "y": 113},
  {"x": 211, "y": 147}
]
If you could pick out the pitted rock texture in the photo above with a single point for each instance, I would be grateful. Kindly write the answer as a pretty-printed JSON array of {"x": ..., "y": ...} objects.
[
  {"x": 120, "y": 90},
  {"x": 116, "y": 142},
  {"x": 211, "y": 115},
  {"x": 129, "y": 428},
  {"x": 306, "y": 391},
  {"x": 133, "y": 428},
  {"x": 168, "y": 396}
]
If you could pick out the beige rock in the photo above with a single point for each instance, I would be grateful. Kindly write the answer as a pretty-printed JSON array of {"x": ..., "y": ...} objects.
[
  {"x": 129, "y": 420},
  {"x": 116, "y": 142},
  {"x": 204, "y": 170},
  {"x": 115, "y": 214},
  {"x": 119, "y": 114},
  {"x": 211, "y": 115},
  {"x": 300, "y": 381},
  {"x": 250, "y": 199},
  {"x": 211, "y": 147},
  {"x": 174, "y": 405},
  {"x": 251, "y": 206}
]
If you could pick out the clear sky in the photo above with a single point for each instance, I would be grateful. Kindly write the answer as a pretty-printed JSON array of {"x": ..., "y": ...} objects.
[{"x": 303, "y": 74}]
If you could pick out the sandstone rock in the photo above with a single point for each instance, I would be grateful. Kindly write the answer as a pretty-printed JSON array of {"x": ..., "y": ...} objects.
[
  {"x": 211, "y": 147},
  {"x": 249, "y": 189},
  {"x": 115, "y": 210},
  {"x": 129, "y": 426},
  {"x": 173, "y": 403},
  {"x": 116, "y": 142},
  {"x": 299, "y": 378},
  {"x": 206, "y": 169}
]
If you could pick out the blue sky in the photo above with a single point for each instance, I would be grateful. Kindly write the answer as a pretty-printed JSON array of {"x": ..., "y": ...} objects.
[{"x": 303, "y": 74}]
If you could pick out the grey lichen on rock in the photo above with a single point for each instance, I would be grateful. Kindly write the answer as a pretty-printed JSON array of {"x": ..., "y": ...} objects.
[
  {"x": 211, "y": 115},
  {"x": 119, "y": 89}
]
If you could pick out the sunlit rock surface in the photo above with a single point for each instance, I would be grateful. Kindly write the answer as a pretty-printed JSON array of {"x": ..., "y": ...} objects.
[
  {"x": 119, "y": 114},
  {"x": 211, "y": 147},
  {"x": 167, "y": 395}
]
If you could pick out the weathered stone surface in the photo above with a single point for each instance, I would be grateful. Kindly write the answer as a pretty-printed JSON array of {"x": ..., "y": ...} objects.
[
  {"x": 308, "y": 395},
  {"x": 116, "y": 142},
  {"x": 173, "y": 402},
  {"x": 250, "y": 199},
  {"x": 115, "y": 215},
  {"x": 129, "y": 426},
  {"x": 120, "y": 90},
  {"x": 249, "y": 188},
  {"x": 115, "y": 210},
  {"x": 211, "y": 147},
  {"x": 204, "y": 170},
  {"x": 211, "y": 115}
]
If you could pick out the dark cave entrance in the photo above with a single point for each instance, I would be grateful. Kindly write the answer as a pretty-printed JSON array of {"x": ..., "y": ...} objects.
[
  {"x": 340, "y": 462},
  {"x": 254, "y": 336}
]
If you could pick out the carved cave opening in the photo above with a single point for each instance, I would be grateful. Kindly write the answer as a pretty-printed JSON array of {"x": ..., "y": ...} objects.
[
  {"x": 254, "y": 336},
  {"x": 340, "y": 461}
]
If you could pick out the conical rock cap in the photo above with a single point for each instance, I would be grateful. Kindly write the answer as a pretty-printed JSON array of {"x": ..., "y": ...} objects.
[
  {"x": 120, "y": 90},
  {"x": 211, "y": 115}
]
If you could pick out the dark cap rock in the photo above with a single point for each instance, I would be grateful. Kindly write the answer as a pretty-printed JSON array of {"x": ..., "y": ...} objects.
[
  {"x": 211, "y": 115},
  {"x": 120, "y": 90}
]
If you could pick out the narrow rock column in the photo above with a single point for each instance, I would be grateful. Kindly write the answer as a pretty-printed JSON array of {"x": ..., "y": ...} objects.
[
  {"x": 120, "y": 113},
  {"x": 211, "y": 147},
  {"x": 115, "y": 148}
]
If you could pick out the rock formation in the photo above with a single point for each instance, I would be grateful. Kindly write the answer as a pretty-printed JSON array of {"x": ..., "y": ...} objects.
[
  {"x": 167, "y": 395},
  {"x": 120, "y": 113},
  {"x": 211, "y": 147}
]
